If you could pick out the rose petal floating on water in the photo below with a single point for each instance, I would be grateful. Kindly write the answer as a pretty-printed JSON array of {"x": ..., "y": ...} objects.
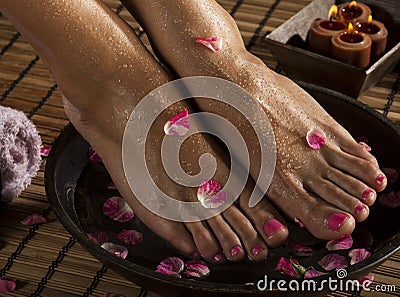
[
  {"x": 391, "y": 175},
  {"x": 369, "y": 277},
  {"x": 171, "y": 266},
  {"x": 118, "y": 210},
  {"x": 311, "y": 273},
  {"x": 179, "y": 125},
  {"x": 300, "y": 222},
  {"x": 111, "y": 186},
  {"x": 333, "y": 261},
  {"x": 213, "y": 43},
  {"x": 344, "y": 242},
  {"x": 98, "y": 237},
  {"x": 196, "y": 268},
  {"x": 33, "y": 219},
  {"x": 285, "y": 266},
  {"x": 316, "y": 138},
  {"x": 115, "y": 249},
  {"x": 300, "y": 250},
  {"x": 7, "y": 285},
  {"x": 357, "y": 255},
  {"x": 132, "y": 237},
  {"x": 45, "y": 151},
  {"x": 209, "y": 195},
  {"x": 93, "y": 156},
  {"x": 391, "y": 200}
]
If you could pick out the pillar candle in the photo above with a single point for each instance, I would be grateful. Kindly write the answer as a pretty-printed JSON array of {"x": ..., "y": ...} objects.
[
  {"x": 378, "y": 34},
  {"x": 321, "y": 33},
  {"x": 353, "y": 12}
]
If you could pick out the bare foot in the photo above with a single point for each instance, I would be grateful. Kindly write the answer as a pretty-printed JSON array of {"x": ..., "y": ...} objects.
[
  {"x": 103, "y": 71},
  {"x": 328, "y": 189}
]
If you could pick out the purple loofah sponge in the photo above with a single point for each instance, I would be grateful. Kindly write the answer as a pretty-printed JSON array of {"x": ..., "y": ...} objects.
[{"x": 19, "y": 152}]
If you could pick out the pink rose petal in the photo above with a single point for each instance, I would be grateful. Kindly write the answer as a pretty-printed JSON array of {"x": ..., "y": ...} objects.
[
  {"x": 98, "y": 237},
  {"x": 390, "y": 200},
  {"x": 196, "y": 269},
  {"x": 7, "y": 285},
  {"x": 391, "y": 175},
  {"x": 316, "y": 138},
  {"x": 118, "y": 210},
  {"x": 369, "y": 277},
  {"x": 45, "y": 151},
  {"x": 107, "y": 295},
  {"x": 33, "y": 219},
  {"x": 209, "y": 195},
  {"x": 165, "y": 271},
  {"x": 179, "y": 125},
  {"x": 333, "y": 261},
  {"x": 311, "y": 273},
  {"x": 358, "y": 255},
  {"x": 300, "y": 250},
  {"x": 285, "y": 266},
  {"x": 344, "y": 242},
  {"x": 93, "y": 156},
  {"x": 115, "y": 249},
  {"x": 213, "y": 43},
  {"x": 171, "y": 266},
  {"x": 131, "y": 237},
  {"x": 111, "y": 186}
]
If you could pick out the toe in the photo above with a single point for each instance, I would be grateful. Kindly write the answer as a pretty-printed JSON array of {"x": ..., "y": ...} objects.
[{"x": 205, "y": 241}]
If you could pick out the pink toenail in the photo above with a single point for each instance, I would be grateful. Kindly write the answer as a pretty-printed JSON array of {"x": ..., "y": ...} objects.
[
  {"x": 236, "y": 250},
  {"x": 368, "y": 193},
  {"x": 365, "y": 146},
  {"x": 196, "y": 255},
  {"x": 336, "y": 220},
  {"x": 257, "y": 249},
  {"x": 359, "y": 209},
  {"x": 316, "y": 138},
  {"x": 380, "y": 179},
  {"x": 272, "y": 226},
  {"x": 219, "y": 257}
]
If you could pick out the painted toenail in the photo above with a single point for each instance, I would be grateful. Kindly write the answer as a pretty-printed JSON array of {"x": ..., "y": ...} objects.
[
  {"x": 365, "y": 146},
  {"x": 219, "y": 257},
  {"x": 257, "y": 249},
  {"x": 368, "y": 194},
  {"x": 359, "y": 209},
  {"x": 236, "y": 250},
  {"x": 336, "y": 220},
  {"x": 380, "y": 179},
  {"x": 316, "y": 138},
  {"x": 272, "y": 226}
]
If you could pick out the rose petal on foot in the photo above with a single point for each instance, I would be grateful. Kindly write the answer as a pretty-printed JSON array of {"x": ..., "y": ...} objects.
[
  {"x": 171, "y": 266},
  {"x": 285, "y": 266},
  {"x": 310, "y": 273},
  {"x": 209, "y": 195},
  {"x": 213, "y": 43},
  {"x": 357, "y": 255},
  {"x": 115, "y": 249},
  {"x": 111, "y": 186},
  {"x": 131, "y": 237},
  {"x": 196, "y": 269},
  {"x": 300, "y": 250},
  {"x": 93, "y": 156},
  {"x": 333, "y": 261},
  {"x": 391, "y": 175},
  {"x": 98, "y": 237},
  {"x": 33, "y": 219},
  {"x": 390, "y": 200},
  {"x": 316, "y": 138},
  {"x": 179, "y": 125},
  {"x": 344, "y": 242},
  {"x": 118, "y": 210},
  {"x": 215, "y": 201},
  {"x": 369, "y": 277},
  {"x": 45, "y": 151},
  {"x": 7, "y": 285}
]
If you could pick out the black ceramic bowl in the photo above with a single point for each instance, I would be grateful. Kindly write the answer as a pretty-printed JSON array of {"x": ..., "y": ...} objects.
[{"x": 77, "y": 190}]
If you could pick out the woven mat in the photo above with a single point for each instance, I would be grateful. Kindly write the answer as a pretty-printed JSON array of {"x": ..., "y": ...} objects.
[{"x": 44, "y": 259}]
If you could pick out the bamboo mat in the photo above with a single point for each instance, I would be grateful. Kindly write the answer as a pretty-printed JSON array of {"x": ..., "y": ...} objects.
[{"x": 44, "y": 259}]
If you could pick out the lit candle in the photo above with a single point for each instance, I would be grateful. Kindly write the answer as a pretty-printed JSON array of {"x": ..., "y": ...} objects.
[
  {"x": 378, "y": 34},
  {"x": 352, "y": 47},
  {"x": 321, "y": 32},
  {"x": 353, "y": 12}
]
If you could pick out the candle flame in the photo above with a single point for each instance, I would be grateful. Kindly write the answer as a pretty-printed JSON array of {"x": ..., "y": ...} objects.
[
  {"x": 332, "y": 11},
  {"x": 350, "y": 28},
  {"x": 370, "y": 19},
  {"x": 353, "y": 3}
]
